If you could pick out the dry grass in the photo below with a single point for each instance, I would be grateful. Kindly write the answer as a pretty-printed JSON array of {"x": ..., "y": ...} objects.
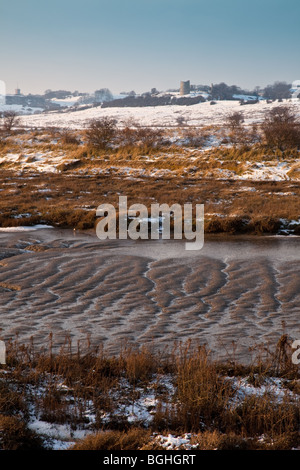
[
  {"x": 202, "y": 393},
  {"x": 133, "y": 439},
  {"x": 14, "y": 435},
  {"x": 230, "y": 206},
  {"x": 253, "y": 153},
  {"x": 204, "y": 400}
]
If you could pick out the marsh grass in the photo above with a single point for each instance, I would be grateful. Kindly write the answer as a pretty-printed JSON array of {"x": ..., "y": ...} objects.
[
  {"x": 133, "y": 439},
  {"x": 71, "y": 202},
  {"x": 62, "y": 385}
]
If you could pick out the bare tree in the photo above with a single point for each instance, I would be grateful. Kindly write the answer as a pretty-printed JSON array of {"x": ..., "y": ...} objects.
[
  {"x": 234, "y": 123},
  {"x": 10, "y": 120},
  {"x": 181, "y": 121},
  {"x": 281, "y": 128},
  {"x": 104, "y": 94},
  {"x": 240, "y": 134},
  {"x": 235, "y": 120},
  {"x": 101, "y": 132},
  {"x": 279, "y": 90}
]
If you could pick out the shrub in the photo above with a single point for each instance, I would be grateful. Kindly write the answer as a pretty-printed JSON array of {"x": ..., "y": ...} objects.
[
  {"x": 281, "y": 128},
  {"x": 67, "y": 137},
  {"x": 140, "y": 137},
  {"x": 234, "y": 120},
  {"x": 14, "y": 435},
  {"x": 101, "y": 132},
  {"x": 194, "y": 137},
  {"x": 10, "y": 120}
]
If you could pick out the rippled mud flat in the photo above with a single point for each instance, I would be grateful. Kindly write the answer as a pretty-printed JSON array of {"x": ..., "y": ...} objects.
[{"x": 238, "y": 290}]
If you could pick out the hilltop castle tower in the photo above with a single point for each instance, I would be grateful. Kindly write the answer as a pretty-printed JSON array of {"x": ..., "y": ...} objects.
[{"x": 185, "y": 88}]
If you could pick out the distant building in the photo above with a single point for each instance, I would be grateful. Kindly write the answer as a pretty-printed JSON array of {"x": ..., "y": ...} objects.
[
  {"x": 17, "y": 91},
  {"x": 295, "y": 90},
  {"x": 2, "y": 93},
  {"x": 185, "y": 88},
  {"x": 32, "y": 101}
]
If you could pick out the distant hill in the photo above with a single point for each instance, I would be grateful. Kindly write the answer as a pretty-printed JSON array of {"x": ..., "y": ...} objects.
[{"x": 150, "y": 100}]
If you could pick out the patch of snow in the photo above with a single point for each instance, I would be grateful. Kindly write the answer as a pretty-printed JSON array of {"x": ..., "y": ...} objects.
[
  {"x": 62, "y": 432},
  {"x": 171, "y": 442},
  {"x": 25, "y": 228},
  {"x": 271, "y": 385},
  {"x": 267, "y": 171}
]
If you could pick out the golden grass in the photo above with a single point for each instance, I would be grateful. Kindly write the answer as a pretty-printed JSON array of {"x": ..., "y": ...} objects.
[
  {"x": 164, "y": 173},
  {"x": 14, "y": 435},
  {"x": 133, "y": 439},
  {"x": 230, "y": 206},
  {"x": 204, "y": 401}
]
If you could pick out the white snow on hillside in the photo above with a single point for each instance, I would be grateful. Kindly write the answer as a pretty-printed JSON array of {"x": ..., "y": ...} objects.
[
  {"x": 20, "y": 109},
  {"x": 202, "y": 114},
  {"x": 69, "y": 101}
]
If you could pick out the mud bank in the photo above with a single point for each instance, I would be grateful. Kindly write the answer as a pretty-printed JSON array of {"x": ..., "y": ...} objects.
[{"x": 238, "y": 290}]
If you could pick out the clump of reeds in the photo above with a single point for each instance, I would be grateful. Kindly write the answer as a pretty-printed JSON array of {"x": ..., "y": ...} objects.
[{"x": 204, "y": 399}]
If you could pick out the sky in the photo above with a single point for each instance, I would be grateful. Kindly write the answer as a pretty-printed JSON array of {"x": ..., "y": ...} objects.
[{"x": 137, "y": 45}]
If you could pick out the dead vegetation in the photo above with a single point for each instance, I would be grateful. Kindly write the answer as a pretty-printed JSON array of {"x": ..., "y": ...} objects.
[
  {"x": 232, "y": 207},
  {"x": 133, "y": 439},
  {"x": 192, "y": 393},
  {"x": 187, "y": 164}
]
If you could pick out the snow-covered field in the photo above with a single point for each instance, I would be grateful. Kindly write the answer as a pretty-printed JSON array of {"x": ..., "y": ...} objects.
[
  {"x": 29, "y": 157},
  {"x": 31, "y": 160},
  {"x": 21, "y": 109},
  {"x": 202, "y": 114}
]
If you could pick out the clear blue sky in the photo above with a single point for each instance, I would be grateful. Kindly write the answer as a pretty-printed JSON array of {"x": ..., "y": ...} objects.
[{"x": 139, "y": 44}]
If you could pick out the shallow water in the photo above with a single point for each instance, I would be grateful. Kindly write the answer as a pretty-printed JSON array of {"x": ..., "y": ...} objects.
[{"x": 239, "y": 290}]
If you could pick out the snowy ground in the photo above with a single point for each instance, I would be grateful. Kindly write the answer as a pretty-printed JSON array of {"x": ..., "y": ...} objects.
[
  {"x": 140, "y": 412},
  {"x": 30, "y": 157},
  {"x": 31, "y": 160},
  {"x": 21, "y": 109},
  {"x": 202, "y": 114}
]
